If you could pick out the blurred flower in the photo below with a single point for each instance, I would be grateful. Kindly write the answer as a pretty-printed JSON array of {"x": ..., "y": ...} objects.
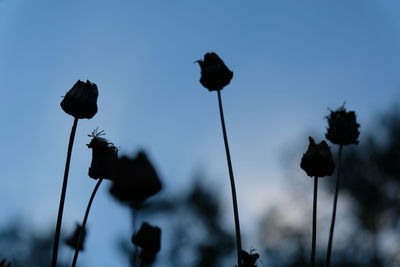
[
  {"x": 343, "y": 127},
  {"x": 72, "y": 240},
  {"x": 249, "y": 259},
  {"x": 104, "y": 157},
  {"x": 81, "y": 100},
  {"x": 215, "y": 75},
  {"x": 149, "y": 239},
  {"x": 317, "y": 161},
  {"x": 4, "y": 263},
  {"x": 136, "y": 180}
]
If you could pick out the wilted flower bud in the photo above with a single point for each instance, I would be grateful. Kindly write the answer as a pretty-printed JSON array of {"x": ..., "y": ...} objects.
[
  {"x": 249, "y": 259},
  {"x": 149, "y": 239},
  {"x": 136, "y": 180},
  {"x": 343, "y": 127},
  {"x": 72, "y": 240},
  {"x": 317, "y": 161},
  {"x": 4, "y": 263},
  {"x": 81, "y": 100},
  {"x": 104, "y": 157},
  {"x": 215, "y": 75}
]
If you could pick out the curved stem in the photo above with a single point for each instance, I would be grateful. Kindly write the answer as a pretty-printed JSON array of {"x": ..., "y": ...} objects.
[
  {"x": 314, "y": 223},
  {"x": 332, "y": 228},
  {"x": 80, "y": 237},
  {"x": 63, "y": 193},
  {"x": 234, "y": 200}
]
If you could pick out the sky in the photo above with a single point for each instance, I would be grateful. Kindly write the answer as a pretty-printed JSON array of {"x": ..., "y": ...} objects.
[{"x": 292, "y": 61}]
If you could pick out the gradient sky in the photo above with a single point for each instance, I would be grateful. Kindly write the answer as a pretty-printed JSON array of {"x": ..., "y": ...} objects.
[{"x": 292, "y": 60}]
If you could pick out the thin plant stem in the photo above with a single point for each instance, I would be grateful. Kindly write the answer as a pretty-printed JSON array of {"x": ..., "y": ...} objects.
[
  {"x": 135, "y": 215},
  {"x": 83, "y": 226},
  {"x": 63, "y": 193},
  {"x": 314, "y": 223},
  {"x": 232, "y": 180},
  {"x": 332, "y": 228}
]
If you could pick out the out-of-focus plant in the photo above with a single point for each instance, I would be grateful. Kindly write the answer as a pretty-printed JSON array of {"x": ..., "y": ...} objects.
[
  {"x": 316, "y": 162},
  {"x": 342, "y": 130}
]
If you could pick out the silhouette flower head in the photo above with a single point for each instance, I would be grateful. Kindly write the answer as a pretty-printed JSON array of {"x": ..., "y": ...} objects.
[
  {"x": 342, "y": 127},
  {"x": 317, "y": 161},
  {"x": 215, "y": 75},
  {"x": 136, "y": 180},
  {"x": 104, "y": 157},
  {"x": 81, "y": 100},
  {"x": 249, "y": 259},
  {"x": 149, "y": 239},
  {"x": 72, "y": 240},
  {"x": 4, "y": 263}
]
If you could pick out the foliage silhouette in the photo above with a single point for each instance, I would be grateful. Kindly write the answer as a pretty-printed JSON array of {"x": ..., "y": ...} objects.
[{"x": 22, "y": 247}]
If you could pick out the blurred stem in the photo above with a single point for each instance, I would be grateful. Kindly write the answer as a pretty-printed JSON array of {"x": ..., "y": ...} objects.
[
  {"x": 80, "y": 237},
  {"x": 314, "y": 223},
  {"x": 63, "y": 193},
  {"x": 234, "y": 199},
  {"x": 135, "y": 215},
  {"x": 329, "y": 252}
]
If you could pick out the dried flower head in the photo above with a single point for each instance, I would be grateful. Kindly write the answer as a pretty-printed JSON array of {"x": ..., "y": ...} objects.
[
  {"x": 317, "y": 161},
  {"x": 215, "y": 75},
  {"x": 148, "y": 238},
  {"x": 136, "y": 180},
  {"x": 249, "y": 259},
  {"x": 104, "y": 157},
  {"x": 4, "y": 263},
  {"x": 81, "y": 100},
  {"x": 72, "y": 240},
  {"x": 342, "y": 127}
]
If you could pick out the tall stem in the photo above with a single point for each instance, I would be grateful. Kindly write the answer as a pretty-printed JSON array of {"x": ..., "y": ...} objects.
[
  {"x": 314, "y": 223},
  {"x": 234, "y": 200},
  {"x": 63, "y": 193},
  {"x": 329, "y": 252},
  {"x": 80, "y": 237}
]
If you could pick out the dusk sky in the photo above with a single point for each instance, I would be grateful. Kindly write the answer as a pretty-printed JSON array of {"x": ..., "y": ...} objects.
[{"x": 292, "y": 60}]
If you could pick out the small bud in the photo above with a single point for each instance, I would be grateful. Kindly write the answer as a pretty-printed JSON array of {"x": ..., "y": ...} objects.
[
  {"x": 104, "y": 157},
  {"x": 81, "y": 100},
  {"x": 72, "y": 240},
  {"x": 342, "y": 127},
  {"x": 149, "y": 239},
  {"x": 136, "y": 180},
  {"x": 317, "y": 161},
  {"x": 249, "y": 259},
  {"x": 215, "y": 75}
]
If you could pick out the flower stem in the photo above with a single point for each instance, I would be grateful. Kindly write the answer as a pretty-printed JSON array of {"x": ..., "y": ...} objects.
[
  {"x": 135, "y": 215},
  {"x": 80, "y": 237},
  {"x": 314, "y": 223},
  {"x": 63, "y": 193},
  {"x": 234, "y": 200},
  {"x": 332, "y": 228}
]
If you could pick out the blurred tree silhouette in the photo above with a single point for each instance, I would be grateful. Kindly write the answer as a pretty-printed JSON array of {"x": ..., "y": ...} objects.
[
  {"x": 371, "y": 188},
  {"x": 22, "y": 247}
]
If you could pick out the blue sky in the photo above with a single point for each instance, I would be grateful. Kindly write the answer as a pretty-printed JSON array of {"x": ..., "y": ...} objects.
[{"x": 291, "y": 61}]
